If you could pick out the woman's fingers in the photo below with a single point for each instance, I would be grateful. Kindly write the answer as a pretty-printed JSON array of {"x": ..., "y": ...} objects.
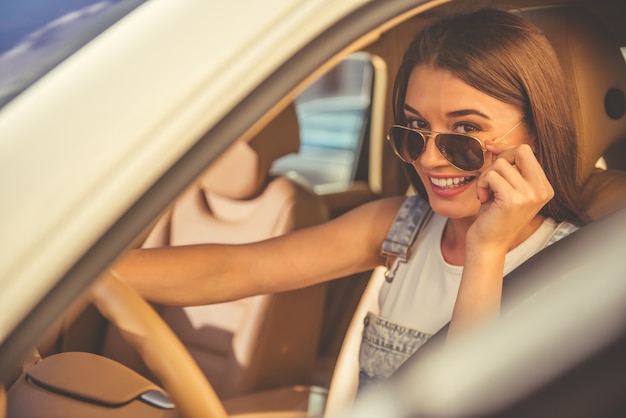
[
  {"x": 515, "y": 180},
  {"x": 512, "y": 190},
  {"x": 519, "y": 166}
]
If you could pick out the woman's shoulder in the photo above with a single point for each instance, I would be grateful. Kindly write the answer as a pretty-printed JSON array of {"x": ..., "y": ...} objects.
[
  {"x": 378, "y": 216},
  {"x": 371, "y": 220},
  {"x": 383, "y": 210},
  {"x": 403, "y": 207}
]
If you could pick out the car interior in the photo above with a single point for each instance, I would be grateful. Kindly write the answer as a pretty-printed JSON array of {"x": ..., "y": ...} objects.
[
  {"x": 294, "y": 353},
  {"x": 238, "y": 200}
]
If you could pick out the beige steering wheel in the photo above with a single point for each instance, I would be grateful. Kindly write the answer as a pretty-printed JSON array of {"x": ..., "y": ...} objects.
[{"x": 160, "y": 348}]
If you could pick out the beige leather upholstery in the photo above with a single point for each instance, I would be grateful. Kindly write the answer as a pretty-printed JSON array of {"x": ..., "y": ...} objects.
[
  {"x": 596, "y": 68},
  {"x": 593, "y": 63},
  {"x": 77, "y": 384},
  {"x": 259, "y": 342},
  {"x": 3, "y": 402}
]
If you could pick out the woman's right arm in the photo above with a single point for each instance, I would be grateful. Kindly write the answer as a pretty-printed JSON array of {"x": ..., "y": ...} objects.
[{"x": 210, "y": 273}]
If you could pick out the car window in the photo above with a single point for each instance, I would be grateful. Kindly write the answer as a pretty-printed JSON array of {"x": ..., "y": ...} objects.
[
  {"x": 333, "y": 114},
  {"x": 36, "y": 35}
]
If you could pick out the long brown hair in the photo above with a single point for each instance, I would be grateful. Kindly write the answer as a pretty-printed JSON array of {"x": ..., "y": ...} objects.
[{"x": 508, "y": 58}]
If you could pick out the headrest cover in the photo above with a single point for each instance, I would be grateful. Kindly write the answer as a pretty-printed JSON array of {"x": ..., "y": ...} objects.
[
  {"x": 235, "y": 174},
  {"x": 593, "y": 63},
  {"x": 242, "y": 170}
]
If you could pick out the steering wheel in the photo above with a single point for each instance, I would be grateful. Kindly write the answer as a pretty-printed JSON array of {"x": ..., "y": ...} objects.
[{"x": 161, "y": 350}]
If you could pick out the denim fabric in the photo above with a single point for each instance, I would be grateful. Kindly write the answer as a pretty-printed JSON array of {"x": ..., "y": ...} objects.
[
  {"x": 411, "y": 218},
  {"x": 562, "y": 230},
  {"x": 385, "y": 346},
  {"x": 408, "y": 222}
]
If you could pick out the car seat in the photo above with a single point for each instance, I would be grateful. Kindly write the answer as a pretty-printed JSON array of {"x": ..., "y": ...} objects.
[
  {"x": 596, "y": 69},
  {"x": 258, "y": 342}
]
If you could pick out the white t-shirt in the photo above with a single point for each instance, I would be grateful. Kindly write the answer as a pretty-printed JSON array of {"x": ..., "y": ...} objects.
[{"x": 424, "y": 290}]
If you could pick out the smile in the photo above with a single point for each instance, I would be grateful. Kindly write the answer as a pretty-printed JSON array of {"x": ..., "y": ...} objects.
[{"x": 451, "y": 182}]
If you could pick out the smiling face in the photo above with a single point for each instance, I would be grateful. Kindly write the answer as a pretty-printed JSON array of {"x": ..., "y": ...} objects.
[{"x": 436, "y": 100}]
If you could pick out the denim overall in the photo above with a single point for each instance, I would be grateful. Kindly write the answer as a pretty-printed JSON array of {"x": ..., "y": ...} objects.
[{"x": 386, "y": 345}]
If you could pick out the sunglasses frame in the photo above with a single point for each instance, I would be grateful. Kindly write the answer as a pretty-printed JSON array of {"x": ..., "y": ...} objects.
[{"x": 426, "y": 135}]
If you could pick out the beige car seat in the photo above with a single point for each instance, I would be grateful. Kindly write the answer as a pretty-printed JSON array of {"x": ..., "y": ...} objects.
[
  {"x": 593, "y": 63},
  {"x": 258, "y": 342},
  {"x": 597, "y": 70}
]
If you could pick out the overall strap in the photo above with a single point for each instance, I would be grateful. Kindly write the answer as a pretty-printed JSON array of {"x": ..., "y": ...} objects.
[
  {"x": 411, "y": 218},
  {"x": 561, "y": 231}
]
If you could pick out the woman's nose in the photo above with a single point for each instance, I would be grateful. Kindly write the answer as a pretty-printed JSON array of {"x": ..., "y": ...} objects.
[{"x": 431, "y": 157}]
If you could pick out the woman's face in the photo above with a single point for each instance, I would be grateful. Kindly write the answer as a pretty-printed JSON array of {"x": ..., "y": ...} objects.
[{"x": 436, "y": 100}]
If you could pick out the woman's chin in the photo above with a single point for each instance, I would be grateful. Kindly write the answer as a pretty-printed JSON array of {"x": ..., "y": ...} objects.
[{"x": 462, "y": 204}]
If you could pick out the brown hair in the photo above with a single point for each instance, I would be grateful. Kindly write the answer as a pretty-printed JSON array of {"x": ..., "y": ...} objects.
[{"x": 508, "y": 58}]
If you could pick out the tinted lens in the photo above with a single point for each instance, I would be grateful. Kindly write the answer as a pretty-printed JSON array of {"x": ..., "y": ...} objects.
[
  {"x": 407, "y": 144},
  {"x": 462, "y": 151}
]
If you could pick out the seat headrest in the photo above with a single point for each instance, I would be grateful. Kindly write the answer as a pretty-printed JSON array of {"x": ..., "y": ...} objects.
[
  {"x": 593, "y": 63},
  {"x": 241, "y": 172}
]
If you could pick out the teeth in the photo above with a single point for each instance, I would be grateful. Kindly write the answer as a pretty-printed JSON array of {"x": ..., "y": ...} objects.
[{"x": 450, "y": 181}]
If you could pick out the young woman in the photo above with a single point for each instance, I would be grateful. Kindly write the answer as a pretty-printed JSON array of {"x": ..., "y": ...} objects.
[{"x": 484, "y": 124}]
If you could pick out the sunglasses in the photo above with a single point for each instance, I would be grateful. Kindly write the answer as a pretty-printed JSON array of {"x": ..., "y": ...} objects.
[{"x": 462, "y": 151}]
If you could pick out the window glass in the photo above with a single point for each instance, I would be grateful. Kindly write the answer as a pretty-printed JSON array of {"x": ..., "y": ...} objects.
[
  {"x": 333, "y": 114},
  {"x": 36, "y": 35}
]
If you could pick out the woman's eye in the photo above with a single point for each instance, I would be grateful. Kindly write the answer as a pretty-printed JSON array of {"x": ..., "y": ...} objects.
[
  {"x": 417, "y": 124},
  {"x": 466, "y": 128}
]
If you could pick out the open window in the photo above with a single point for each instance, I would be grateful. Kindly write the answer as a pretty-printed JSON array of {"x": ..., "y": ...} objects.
[{"x": 334, "y": 117}]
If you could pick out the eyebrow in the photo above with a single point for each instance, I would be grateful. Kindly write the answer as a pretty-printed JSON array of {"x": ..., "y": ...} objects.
[{"x": 455, "y": 113}]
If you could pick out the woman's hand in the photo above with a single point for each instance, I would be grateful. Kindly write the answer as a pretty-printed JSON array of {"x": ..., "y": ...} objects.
[{"x": 511, "y": 190}]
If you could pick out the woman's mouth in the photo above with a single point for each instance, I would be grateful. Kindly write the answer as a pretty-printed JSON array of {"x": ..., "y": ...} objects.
[{"x": 451, "y": 182}]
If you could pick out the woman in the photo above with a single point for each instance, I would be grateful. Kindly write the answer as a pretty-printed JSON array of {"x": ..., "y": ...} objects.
[{"x": 493, "y": 158}]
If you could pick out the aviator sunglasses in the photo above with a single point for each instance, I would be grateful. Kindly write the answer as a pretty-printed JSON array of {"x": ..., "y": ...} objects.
[{"x": 462, "y": 151}]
